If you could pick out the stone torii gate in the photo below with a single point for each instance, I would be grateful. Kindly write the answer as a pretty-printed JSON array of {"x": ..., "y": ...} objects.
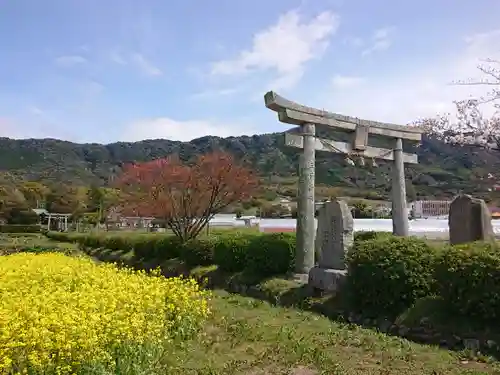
[{"x": 304, "y": 137}]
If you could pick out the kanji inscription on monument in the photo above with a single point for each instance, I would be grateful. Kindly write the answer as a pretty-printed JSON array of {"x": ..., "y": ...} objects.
[{"x": 334, "y": 235}]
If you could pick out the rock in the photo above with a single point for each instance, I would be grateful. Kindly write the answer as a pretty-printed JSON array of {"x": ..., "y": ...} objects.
[{"x": 469, "y": 220}]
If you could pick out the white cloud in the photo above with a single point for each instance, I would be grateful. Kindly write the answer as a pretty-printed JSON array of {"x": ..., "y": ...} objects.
[
  {"x": 146, "y": 66},
  {"x": 342, "y": 82},
  {"x": 167, "y": 128},
  {"x": 284, "y": 48},
  {"x": 117, "y": 58},
  {"x": 381, "y": 40},
  {"x": 418, "y": 92},
  {"x": 70, "y": 60}
]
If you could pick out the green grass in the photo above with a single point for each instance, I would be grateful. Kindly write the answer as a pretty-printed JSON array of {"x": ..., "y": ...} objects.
[
  {"x": 13, "y": 242},
  {"x": 247, "y": 336}
]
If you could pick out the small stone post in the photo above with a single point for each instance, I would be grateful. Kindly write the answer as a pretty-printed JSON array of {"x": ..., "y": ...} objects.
[
  {"x": 399, "y": 208},
  {"x": 469, "y": 220},
  {"x": 305, "y": 205},
  {"x": 334, "y": 238}
]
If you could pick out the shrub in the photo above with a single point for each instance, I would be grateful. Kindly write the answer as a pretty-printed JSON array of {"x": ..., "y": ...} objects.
[
  {"x": 370, "y": 235},
  {"x": 20, "y": 228},
  {"x": 66, "y": 237},
  {"x": 60, "y": 314},
  {"x": 92, "y": 241},
  {"x": 271, "y": 254},
  {"x": 231, "y": 252},
  {"x": 468, "y": 279},
  {"x": 388, "y": 274},
  {"x": 167, "y": 247},
  {"x": 199, "y": 251},
  {"x": 19, "y": 216},
  {"x": 113, "y": 243}
]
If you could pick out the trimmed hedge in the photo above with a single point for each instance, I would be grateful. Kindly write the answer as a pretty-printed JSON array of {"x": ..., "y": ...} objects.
[
  {"x": 386, "y": 275},
  {"x": 262, "y": 254},
  {"x": 271, "y": 254},
  {"x": 231, "y": 253},
  {"x": 20, "y": 228},
  {"x": 370, "y": 235},
  {"x": 468, "y": 279}
]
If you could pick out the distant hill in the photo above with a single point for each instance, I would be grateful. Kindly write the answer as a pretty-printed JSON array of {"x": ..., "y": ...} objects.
[{"x": 443, "y": 169}]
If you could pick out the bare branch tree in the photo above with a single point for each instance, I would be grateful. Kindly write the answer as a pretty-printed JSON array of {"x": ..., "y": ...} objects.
[
  {"x": 468, "y": 125},
  {"x": 491, "y": 71}
]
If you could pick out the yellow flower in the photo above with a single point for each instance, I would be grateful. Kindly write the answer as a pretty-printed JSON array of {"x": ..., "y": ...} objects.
[{"x": 59, "y": 312}]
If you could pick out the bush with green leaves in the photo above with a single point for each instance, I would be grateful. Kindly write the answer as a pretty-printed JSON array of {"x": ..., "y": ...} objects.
[
  {"x": 388, "y": 274},
  {"x": 468, "y": 279},
  {"x": 167, "y": 247},
  {"x": 231, "y": 251},
  {"x": 20, "y": 228},
  {"x": 60, "y": 236},
  {"x": 370, "y": 235},
  {"x": 198, "y": 251},
  {"x": 271, "y": 254}
]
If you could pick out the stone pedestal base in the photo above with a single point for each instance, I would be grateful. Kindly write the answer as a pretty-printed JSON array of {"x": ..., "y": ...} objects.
[{"x": 326, "y": 279}]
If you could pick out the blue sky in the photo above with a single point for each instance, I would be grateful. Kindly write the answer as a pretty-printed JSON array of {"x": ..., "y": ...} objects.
[{"x": 109, "y": 70}]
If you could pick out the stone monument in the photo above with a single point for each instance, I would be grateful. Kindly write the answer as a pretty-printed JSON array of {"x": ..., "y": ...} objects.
[
  {"x": 334, "y": 237},
  {"x": 469, "y": 220},
  {"x": 304, "y": 137}
]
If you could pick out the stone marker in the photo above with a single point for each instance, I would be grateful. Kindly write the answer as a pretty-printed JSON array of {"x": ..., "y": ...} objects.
[
  {"x": 469, "y": 220},
  {"x": 334, "y": 237}
]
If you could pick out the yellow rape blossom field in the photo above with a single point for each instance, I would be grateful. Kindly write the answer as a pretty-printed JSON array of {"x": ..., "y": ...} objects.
[{"x": 62, "y": 314}]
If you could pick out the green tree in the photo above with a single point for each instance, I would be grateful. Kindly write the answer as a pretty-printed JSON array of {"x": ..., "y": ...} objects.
[
  {"x": 10, "y": 198},
  {"x": 62, "y": 200},
  {"x": 101, "y": 200},
  {"x": 34, "y": 192}
]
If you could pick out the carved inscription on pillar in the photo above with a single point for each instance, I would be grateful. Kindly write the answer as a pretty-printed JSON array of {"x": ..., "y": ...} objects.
[{"x": 334, "y": 235}]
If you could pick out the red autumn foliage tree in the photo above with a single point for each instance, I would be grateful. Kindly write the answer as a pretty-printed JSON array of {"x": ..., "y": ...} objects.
[{"x": 186, "y": 196}]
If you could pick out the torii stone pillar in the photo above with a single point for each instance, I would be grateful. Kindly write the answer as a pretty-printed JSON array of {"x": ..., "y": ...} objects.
[
  {"x": 304, "y": 137},
  {"x": 400, "y": 226},
  {"x": 305, "y": 203}
]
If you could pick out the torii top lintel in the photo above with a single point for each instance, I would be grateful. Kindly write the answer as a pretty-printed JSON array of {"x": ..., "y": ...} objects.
[{"x": 297, "y": 114}]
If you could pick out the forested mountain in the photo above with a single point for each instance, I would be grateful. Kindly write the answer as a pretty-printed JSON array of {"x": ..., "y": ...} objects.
[{"x": 443, "y": 169}]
